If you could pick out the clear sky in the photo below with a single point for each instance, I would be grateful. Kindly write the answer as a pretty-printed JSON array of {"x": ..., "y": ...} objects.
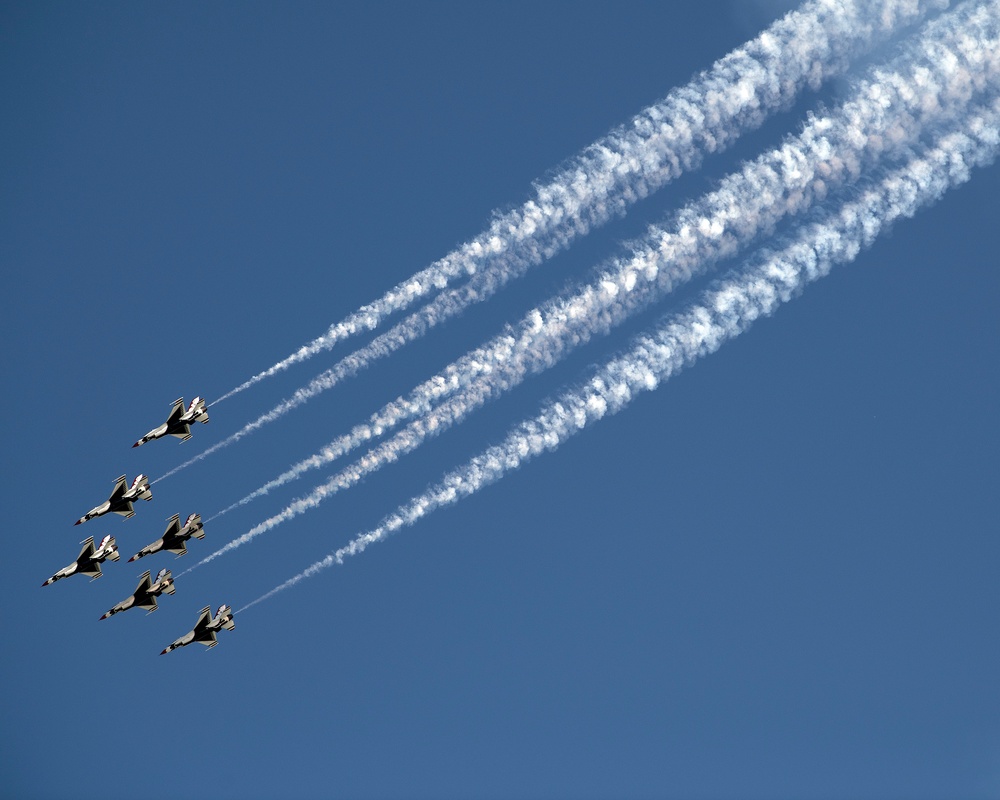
[{"x": 773, "y": 577}]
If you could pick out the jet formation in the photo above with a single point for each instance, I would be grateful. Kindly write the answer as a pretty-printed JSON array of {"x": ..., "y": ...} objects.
[{"x": 174, "y": 538}]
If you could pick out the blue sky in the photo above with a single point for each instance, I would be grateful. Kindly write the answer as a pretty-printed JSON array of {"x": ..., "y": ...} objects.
[{"x": 775, "y": 576}]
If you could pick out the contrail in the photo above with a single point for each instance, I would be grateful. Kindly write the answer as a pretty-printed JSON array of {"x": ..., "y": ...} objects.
[
  {"x": 724, "y": 312},
  {"x": 929, "y": 83},
  {"x": 736, "y": 95},
  {"x": 390, "y": 451}
]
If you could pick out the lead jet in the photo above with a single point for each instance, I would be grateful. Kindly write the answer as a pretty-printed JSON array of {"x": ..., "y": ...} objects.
[
  {"x": 89, "y": 561},
  {"x": 205, "y": 628},
  {"x": 179, "y": 422},
  {"x": 175, "y": 537},
  {"x": 121, "y": 499},
  {"x": 145, "y": 593}
]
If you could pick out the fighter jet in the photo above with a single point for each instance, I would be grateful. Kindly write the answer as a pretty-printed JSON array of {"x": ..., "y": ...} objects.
[
  {"x": 121, "y": 499},
  {"x": 175, "y": 537},
  {"x": 179, "y": 422},
  {"x": 205, "y": 628},
  {"x": 145, "y": 593},
  {"x": 89, "y": 560}
]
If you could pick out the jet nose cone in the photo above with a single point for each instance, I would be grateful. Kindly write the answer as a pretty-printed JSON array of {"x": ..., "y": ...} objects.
[
  {"x": 164, "y": 651},
  {"x": 78, "y": 522},
  {"x": 106, "y": 615},
  {"x": 133, "y": 558},
  {"x": 46, "y": 583},
  {"x": 136, "y": 444}
]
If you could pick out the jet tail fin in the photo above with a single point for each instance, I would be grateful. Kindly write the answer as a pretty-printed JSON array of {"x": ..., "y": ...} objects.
[
  {"x": 198, "y": 411},
  {"x": 194, "y": 521},
  {"x": 141, "y": 487}
]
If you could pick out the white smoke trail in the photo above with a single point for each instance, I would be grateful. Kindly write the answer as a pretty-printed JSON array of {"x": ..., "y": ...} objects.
[
  {"x": 736, "y": 95},
  {"x": 724, "y": 312},
  {"x": 928, "y": 83},
  {"x": 390, "y": 451}
]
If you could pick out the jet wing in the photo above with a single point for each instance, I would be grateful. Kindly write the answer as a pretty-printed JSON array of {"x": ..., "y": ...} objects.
[
  {"x": 90, "y": 568},
  {"x": 143, "y": 587},
  {"x": 173, "y": 527},
  {"x": 146, "y": 601},
  {"x": 87, "y": 551},
  {"x": 120, "y": 486},
  {"x": 204, "y": 618},
  {"x": 182, "y": 431},
  {"x": 177, "y": 411},
  {"x": 125, "y": 510},
  {"x": 177, "y": 546}
]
